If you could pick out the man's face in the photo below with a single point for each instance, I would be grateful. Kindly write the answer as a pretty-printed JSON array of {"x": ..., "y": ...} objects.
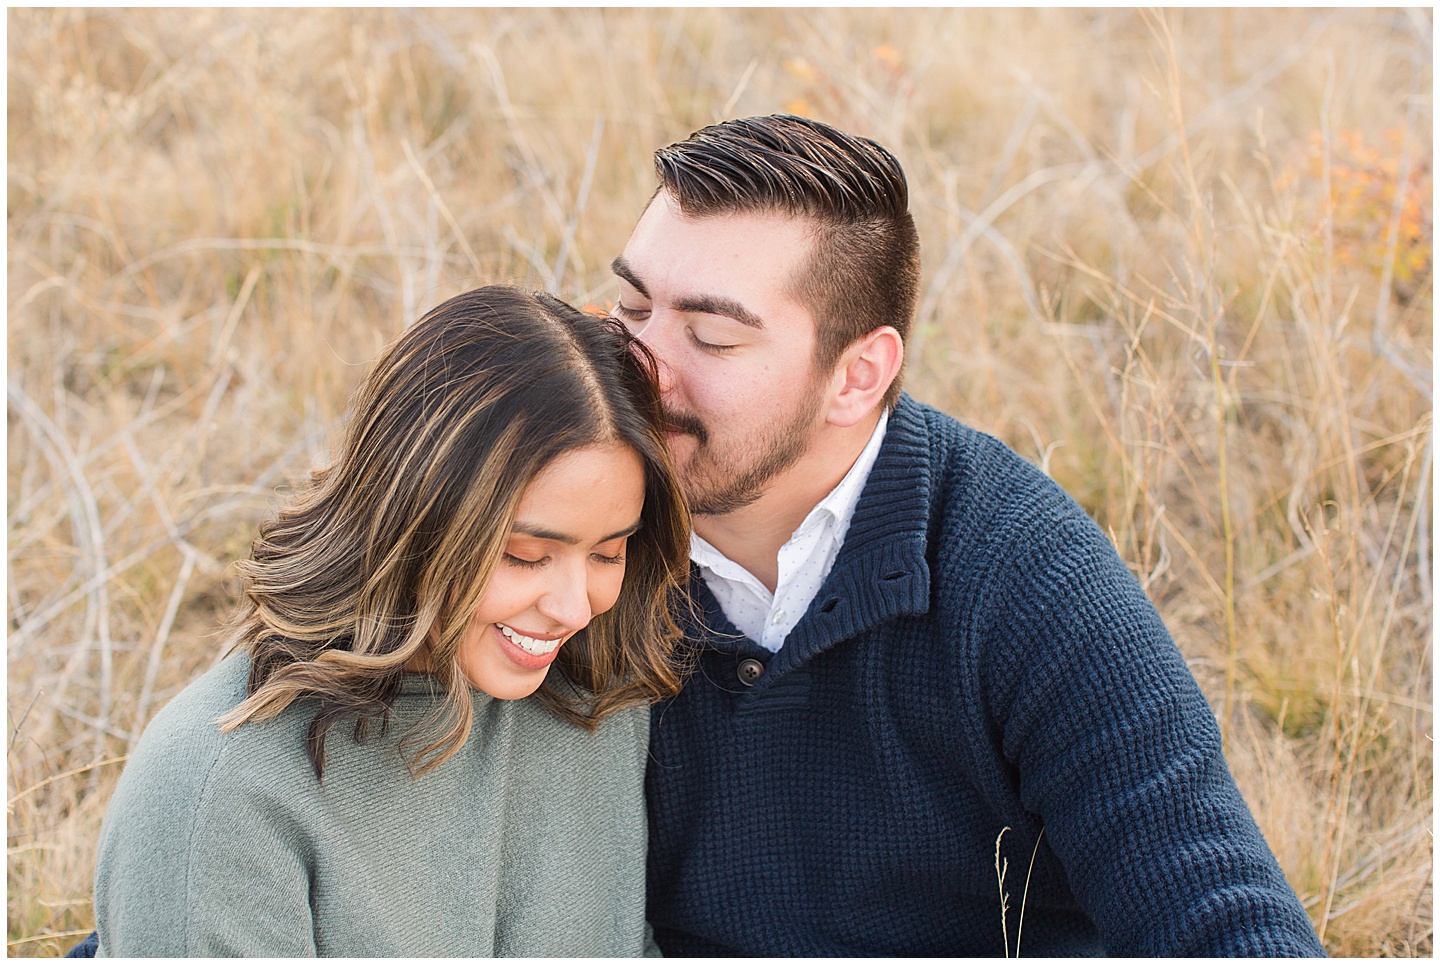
[{"x": 711, "y": 297}]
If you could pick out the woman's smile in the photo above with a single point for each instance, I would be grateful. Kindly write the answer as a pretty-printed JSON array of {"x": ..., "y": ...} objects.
[{"x": 537, "y": 645}]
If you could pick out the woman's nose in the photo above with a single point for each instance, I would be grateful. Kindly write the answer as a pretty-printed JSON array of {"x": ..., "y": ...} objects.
[{"x": 567, "y": 602}]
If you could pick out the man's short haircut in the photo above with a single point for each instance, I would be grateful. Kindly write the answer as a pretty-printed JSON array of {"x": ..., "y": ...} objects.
[{"x": 864, "y": 268}]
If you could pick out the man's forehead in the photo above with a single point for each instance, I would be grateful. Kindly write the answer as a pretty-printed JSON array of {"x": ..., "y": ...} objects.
[
  {"x": 664, "y": 206},
  {"x": 777, "y": 235}
]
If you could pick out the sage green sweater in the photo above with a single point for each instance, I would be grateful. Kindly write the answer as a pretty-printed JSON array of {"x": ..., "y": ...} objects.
[{"x": 529, "y": 841}]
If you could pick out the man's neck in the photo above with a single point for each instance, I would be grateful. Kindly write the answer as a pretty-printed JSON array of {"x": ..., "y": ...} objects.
[{"x": 752, "y": 536}]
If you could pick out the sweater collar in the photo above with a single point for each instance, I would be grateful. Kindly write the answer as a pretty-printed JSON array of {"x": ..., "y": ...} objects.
[{"x": 895, "y": 503}]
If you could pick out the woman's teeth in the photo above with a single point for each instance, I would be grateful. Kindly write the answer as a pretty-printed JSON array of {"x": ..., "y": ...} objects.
[{"x": 536, "y": 648}]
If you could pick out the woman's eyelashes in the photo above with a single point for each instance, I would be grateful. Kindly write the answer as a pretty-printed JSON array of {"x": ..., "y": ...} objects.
[
  {"x": 528, "y": 564},
  {"x": 615, "y": 558}
]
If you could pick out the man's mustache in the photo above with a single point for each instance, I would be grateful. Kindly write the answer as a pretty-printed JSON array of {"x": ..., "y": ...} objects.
[{"x": 686, "y": 423}]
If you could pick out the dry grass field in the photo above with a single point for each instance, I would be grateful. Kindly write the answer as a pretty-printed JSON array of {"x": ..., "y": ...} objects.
[{"x": 1181, "y": 260}]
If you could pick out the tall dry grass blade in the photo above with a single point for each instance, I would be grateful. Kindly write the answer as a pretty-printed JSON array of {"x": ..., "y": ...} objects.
[
  {"x": 162, "y": 634},
  {"x": 582, "y": 198},
  {"x": 15, "y": 732},
  {"x": 232, "y": 318},
  {"x": 1025, "y": 895},
  {"x": 39, "y": 785},
  {"x": 1421, "y": 378},
  {"x": 439, "y": 201},
  {"x": 727, "y": 109},
  {"x": 1001, "y": 867}
]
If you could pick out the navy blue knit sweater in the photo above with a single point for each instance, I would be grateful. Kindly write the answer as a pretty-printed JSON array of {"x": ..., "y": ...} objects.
[{"x": 978, "y": 659}]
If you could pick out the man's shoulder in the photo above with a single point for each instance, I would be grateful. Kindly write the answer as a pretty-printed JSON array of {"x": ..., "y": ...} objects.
[
  {"x": 997, "y": 526},
  {"x": 973, "y": 474}
]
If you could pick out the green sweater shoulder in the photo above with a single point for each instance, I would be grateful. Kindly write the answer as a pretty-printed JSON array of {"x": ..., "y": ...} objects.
[{"x": 529, "y": 841}]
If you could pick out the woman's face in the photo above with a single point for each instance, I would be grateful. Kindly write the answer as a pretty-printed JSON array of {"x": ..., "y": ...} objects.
[{"x": 563, "y": 564}]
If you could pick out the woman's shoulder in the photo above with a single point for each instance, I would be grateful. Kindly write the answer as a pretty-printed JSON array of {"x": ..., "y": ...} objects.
[
  {"x": 195, "y": 812},
  {"x": 187, "y": 722},
  {"x": 182, "y": 745},
  {"x": 217, "y": 690}
]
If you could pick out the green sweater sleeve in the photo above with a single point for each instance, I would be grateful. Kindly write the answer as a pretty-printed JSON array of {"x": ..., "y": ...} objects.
[
  {"x": 247, "y": 887},
  {"x": 202, "y": 868}
]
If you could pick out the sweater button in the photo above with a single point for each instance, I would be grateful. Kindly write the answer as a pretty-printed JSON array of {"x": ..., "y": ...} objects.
[{"x": 749, "y": 671}]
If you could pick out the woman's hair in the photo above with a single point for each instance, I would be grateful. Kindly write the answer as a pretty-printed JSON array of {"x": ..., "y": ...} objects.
[{"x": 387, "y": 554}]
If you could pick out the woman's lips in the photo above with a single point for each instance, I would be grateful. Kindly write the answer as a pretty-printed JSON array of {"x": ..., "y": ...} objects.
[{"x": 522, "y": 648}]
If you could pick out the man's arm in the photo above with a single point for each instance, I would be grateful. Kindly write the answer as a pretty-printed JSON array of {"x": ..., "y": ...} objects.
[{"x": 1118, "y": 752}]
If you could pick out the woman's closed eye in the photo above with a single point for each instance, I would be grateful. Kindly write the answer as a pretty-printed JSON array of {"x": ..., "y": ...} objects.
[
  {"x": 614, "y": 558},
  {"x": 609, "y": 559}
]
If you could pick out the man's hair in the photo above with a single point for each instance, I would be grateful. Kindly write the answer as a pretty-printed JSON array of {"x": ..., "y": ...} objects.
[
  {"x": 864, "y": 267},
  {"x": 386, "y": 556}
]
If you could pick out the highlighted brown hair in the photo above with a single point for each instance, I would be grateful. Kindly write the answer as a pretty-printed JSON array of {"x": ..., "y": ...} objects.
[{"x": 387, "y": 554}]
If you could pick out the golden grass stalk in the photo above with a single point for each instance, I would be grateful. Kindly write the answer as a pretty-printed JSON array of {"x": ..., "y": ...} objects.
[{"x": 1182, "y": 260}]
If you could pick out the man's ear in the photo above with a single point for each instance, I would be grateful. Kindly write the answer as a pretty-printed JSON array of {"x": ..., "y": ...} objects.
[{"x": 863, "y": 376}]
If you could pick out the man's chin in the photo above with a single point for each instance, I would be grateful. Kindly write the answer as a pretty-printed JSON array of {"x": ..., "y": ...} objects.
[{"x": 717, "y": 499}]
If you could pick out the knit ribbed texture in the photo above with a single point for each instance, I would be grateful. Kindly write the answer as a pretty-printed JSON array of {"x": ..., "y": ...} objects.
[
  {"x": 978, "y": 659},
  {"x": 529, "y": 841}
]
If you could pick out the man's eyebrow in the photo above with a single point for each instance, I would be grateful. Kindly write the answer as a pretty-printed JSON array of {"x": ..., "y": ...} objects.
[
  {"x": 718, "y": 305},
  {"x": 537, "y": 531},
  {"x": 701, "y": 304},
  {"x": 622, "y": 268}
]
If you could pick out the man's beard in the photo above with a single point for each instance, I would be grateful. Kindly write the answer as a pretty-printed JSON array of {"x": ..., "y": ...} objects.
[{"x": 735, "y": 479}]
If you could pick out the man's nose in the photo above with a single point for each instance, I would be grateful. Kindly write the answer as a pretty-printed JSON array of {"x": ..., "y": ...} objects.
[
  {"x": 654, "y": 338},
  {"x": 664, "y": 376}
]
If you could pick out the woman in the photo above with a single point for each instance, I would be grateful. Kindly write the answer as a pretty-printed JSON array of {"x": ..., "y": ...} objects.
[{"x": 432, "y": 738}]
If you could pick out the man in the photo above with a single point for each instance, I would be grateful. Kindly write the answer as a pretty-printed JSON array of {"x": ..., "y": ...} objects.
[{"x": 921, "y": 666}]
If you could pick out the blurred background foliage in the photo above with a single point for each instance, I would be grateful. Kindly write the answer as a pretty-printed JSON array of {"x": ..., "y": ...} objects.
[{"x": 1182, "y": 260}]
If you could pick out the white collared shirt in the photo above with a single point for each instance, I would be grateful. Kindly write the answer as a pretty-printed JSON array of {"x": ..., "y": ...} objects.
[{"x": 804, "y": 561}]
